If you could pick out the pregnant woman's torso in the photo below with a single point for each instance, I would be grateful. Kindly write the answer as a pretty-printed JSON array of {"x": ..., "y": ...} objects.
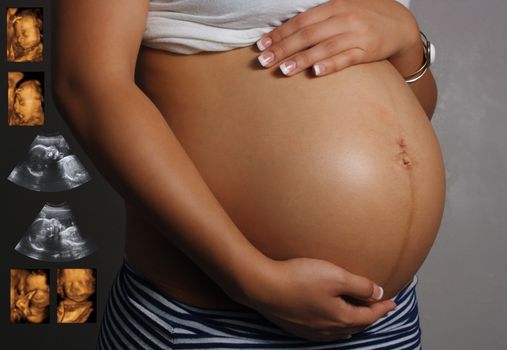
[{"x": 344, "y": 167}]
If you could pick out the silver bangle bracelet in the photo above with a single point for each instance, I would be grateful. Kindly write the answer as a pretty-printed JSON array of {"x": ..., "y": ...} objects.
[{"x": 427, "y": 46}]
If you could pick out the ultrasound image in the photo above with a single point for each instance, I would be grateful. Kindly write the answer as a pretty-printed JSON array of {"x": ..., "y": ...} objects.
[
  {"x": 54, "y": 236},
  {"x": 49, "y": 166}
]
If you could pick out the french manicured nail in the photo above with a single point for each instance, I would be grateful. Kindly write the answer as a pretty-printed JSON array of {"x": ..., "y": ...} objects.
[
  {"x": 318, "y": 69},
  {"x": 266, "y": 57},
  {"x": 287, "y": 66},
  {"x": 263, "y": 43},
  {"x": 378, "y": 292}
]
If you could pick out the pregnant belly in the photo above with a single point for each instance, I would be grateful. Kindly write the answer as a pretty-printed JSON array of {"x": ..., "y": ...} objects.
[{"x": 344, "y": 167}]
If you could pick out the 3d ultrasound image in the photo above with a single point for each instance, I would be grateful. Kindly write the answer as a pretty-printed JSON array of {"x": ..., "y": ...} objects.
[
  {"x": 24, "y": 34},
  {"x": 55, "y": 236},
  {"x": 29, "y": 295},
  {"x": 25, "y": 98},
  {"x": 49, "y": 166},
  {"x": 76, "y": 295}
]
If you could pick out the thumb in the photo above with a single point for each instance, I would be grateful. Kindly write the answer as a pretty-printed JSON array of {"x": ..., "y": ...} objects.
[{"x": 361, "y": 287}]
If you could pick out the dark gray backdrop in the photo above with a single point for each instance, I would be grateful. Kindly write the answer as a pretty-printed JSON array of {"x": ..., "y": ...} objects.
[
  {"x": 98, "y": 210},
  {"x": 463, "y": 281}
]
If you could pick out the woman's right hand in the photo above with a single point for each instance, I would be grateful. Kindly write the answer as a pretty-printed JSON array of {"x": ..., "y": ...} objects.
[{"x": 304, "y": 297}]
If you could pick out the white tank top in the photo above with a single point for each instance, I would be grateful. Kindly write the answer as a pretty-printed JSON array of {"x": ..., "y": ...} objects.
[{"x": 191, "y": 26}]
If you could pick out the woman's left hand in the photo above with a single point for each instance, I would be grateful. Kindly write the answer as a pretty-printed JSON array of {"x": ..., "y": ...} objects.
[{"x": 341, "y": 33}]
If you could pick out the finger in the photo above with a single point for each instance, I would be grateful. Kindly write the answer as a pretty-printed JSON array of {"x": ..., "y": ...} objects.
[
  {"x": 295, "y": 23},
  {"x": 360, "y": 287},
  {"x": 358, "y": 316},
  {"x": 326, "y": 48},
  {"x": 341, "y": 61}
]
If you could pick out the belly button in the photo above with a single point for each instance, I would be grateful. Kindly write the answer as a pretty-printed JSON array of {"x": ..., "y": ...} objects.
[
  {"x": 403, "y": 155},
  {"x": 405, "y": 159}
]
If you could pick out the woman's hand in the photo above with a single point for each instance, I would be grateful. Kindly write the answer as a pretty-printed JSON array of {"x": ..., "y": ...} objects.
[
  {"x": 341, "y": 33},
  {"x": 305, "y": 296}
]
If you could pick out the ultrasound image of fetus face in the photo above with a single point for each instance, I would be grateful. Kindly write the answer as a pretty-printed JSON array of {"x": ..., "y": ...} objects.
[
  {"x": 55, "y": 236},
  {"x": 24, "y": 34},
  {"x": 49, "y": 166},
  {"x": 40, "y": 299},
  {"x": 77, "y": 284},
  {"x": 76, "y": 295},
  {"x": 27, "y": 28},
  {"x": 28, "y": 101},
  {"x": 47, "y": 234},
  {"x": 29, "y": 296}
]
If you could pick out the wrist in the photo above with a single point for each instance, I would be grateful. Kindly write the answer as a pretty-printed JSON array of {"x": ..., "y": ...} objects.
[
  {"x": 409, "y": 59},
  {"x": 411, "y": 55},
  {"x": 247, "y": 268},
  {"x": 254, "y": 281}
]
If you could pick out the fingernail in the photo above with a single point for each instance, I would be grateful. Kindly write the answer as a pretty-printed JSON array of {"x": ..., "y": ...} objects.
[
  {"x": 348, "y": 336},
  {"x": 287, "y": 67},
  {"x": 318, "y": 69},
  {"x": 266, "y": 57},
  {"x": 378, "y": 292},
  {"x": 263, "y": 43}
]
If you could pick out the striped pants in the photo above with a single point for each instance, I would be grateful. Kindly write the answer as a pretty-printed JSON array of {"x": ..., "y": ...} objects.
[{"x": 139, "y": 316}]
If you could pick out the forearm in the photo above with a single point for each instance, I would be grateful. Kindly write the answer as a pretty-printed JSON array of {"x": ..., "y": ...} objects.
[
  {"x": 128, "y": 139},
  {"x": 425, "y": 89}
]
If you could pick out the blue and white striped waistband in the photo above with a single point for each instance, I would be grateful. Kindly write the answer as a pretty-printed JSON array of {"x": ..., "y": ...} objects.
[{"x": 158, "y": 316}]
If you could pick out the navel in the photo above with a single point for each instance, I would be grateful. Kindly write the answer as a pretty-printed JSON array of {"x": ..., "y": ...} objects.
[{"x": 403, "y": 157}]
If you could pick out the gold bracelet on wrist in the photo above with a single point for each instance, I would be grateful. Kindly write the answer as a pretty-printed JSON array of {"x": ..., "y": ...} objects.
[{"x": 427, "y": 50}]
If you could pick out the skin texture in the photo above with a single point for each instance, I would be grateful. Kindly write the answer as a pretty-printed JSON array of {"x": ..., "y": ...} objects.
[{"x": 181, "y": 198}]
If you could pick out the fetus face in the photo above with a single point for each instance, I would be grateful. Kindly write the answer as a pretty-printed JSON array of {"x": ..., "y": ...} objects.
[
  {"x": 28, "y": 100},
  {"x": 37, "y": 296},
  {"x": 27, "y": 29},
  {"x": 78, "y": 284}
]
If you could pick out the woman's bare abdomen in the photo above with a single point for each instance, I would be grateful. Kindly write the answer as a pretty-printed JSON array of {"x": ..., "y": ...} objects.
[{"x": 344, "y": 167}]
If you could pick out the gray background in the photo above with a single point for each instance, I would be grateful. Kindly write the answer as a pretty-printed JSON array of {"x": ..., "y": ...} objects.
[{"x": 462, "y": 282}]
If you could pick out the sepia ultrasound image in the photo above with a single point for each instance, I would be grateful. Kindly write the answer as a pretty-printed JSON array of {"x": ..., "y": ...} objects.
[
  {"x": 24, "y": 34},
  {"x": 76, "y": 291},
  {"x": 49, "y": 166},
  {"x": 54, "y": 236},
  {"x": 25, "y": 98},
  {"x": 29, "y": 297}
]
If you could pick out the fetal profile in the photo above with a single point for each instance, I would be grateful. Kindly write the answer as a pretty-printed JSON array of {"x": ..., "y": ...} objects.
[
  {"x": 49, "y": 166},
  {"x": 54, "y": 236},
  {"x": 29, "y": 296},
  {"x": 76, "y": 295},
  {"x": 24, "y": 34},
  {"x": 25, "y": 98}
]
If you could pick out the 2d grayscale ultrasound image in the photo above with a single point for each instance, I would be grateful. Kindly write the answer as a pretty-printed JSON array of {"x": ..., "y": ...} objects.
[
  {"x": 54, "y": 236},
  {"x": 49, "y": 166}
]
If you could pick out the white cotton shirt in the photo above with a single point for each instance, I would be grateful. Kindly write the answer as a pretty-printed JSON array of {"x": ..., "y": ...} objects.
[{"x": 191, "y": 26}]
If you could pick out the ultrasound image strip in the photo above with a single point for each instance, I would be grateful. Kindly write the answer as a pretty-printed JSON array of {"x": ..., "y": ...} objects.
[
  {"x": 54, "y": 236},
  {"x": 49, "y": 166}
]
